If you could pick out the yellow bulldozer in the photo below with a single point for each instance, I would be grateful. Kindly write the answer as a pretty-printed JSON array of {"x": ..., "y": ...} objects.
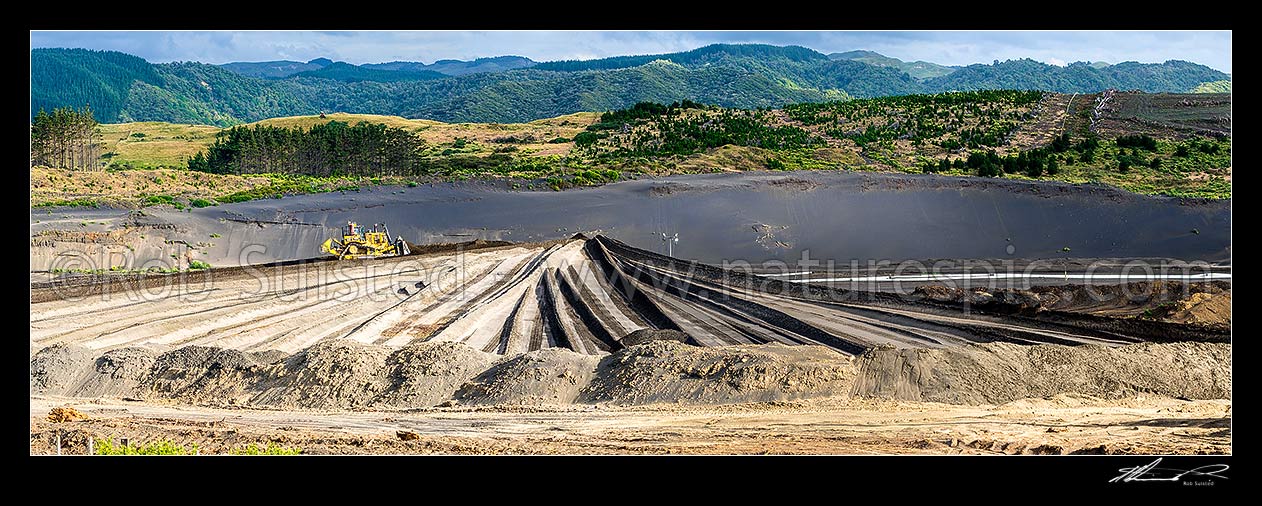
[{"x": 358, "y": 242}]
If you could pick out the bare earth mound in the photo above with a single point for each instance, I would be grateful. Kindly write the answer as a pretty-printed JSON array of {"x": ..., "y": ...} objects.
[
  {"x": 347, "y": 375},
  {"x": 1000, "y": 372},
  {"x": 203, "y": 375},
  {"x": 332, "y": 374},
  {"x": 1203, "y": 308},
  {"x": 55, "y": 369},
  {"x": 117, "y": 373},
  {"x": 426, "y": 374},
  {"x": 75, "y": 371},
  {"x": 672, "y": 372},
  {"x": 547, "y": 376}
]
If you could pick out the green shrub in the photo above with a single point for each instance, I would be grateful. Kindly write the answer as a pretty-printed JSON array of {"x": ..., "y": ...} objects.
[
  {"x": 234, "y": 198},
  {"x": 263, "y": 192},
  {"x": 588, "y": 138},
  {"x": 107, "y": 447},
  {"x": 271, "y": 449},
  {"x": 154, "y": 200},
  {"x": 1141, "y": 141},
  {"x": 197, "y": 265},
  {"x": 71, "y": 203},
  {"x": 200, "y": 203},
  {"x": 557, "y": 184}
]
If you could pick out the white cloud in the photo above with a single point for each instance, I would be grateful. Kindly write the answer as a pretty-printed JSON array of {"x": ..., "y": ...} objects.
[
  {"x": 1056, "y": 61},
  {"x": 1212, "y": 48}
]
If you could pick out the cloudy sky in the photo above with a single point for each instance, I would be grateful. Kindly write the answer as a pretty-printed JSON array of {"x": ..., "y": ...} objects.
[{"x": 1212, "y": 48}]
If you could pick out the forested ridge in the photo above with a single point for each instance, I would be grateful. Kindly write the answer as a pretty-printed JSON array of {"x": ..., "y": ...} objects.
[{"x": 121, "y": 87}]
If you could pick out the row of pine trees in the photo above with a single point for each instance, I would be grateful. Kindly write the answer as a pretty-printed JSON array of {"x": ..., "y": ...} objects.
[{"x": 67, "y": 138}]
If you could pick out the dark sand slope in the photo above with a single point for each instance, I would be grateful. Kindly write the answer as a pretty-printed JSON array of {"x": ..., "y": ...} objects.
[
  {"x": 754, "y": 216},
  {"x": 838, "y": 215}
]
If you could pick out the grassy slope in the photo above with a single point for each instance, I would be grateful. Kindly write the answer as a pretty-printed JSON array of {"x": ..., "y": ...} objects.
[
  {"x": 152, "y": 145},
  {"x": 178, "y": 187},
  {"x": 168, "y": 145},
  {"x": 163, "y": 149},
  {"x": 1213, "y": 87}
]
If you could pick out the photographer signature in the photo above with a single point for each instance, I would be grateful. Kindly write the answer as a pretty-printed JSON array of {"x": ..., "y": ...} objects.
[{"x": 1151, "y": 472}]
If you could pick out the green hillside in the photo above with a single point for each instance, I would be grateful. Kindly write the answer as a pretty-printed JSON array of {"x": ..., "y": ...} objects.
[
  {"x": 274, "y": 69},
  {"x": 459, "y": 67},
  {"x": 1026, "y": 74},
  {"x": 347, "y": 73},
  {"x": 1213, "y": 87},
  {"x": 125, "y": 88},
  {"x": 206, "y": 94},
  {"x": 916, "y": 69},
  {"x": 696, "y": 56},
  {"x": 103, "y": 79}
]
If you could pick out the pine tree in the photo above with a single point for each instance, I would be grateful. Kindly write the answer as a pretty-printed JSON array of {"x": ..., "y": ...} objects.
[{"x": 67, "y": 138}]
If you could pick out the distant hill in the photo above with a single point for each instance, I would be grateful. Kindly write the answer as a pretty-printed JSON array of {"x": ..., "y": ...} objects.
[
  {"x": 459, "y": 67},
  {"x": 209, "y": 95},
  {"x": 696, "y": 56},
  {"x": 347, "y": 73},
  {"x": 275, "y": 69},
  {"x": 121, "y": 87},
  {"x": 916, "y": 69},
  {"x": 1027, "y": 74},
  {"x": 285, "y": 68}
]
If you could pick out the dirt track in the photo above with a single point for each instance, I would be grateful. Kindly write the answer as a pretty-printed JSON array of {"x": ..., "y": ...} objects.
[{"x": 1060, "y": 425}]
